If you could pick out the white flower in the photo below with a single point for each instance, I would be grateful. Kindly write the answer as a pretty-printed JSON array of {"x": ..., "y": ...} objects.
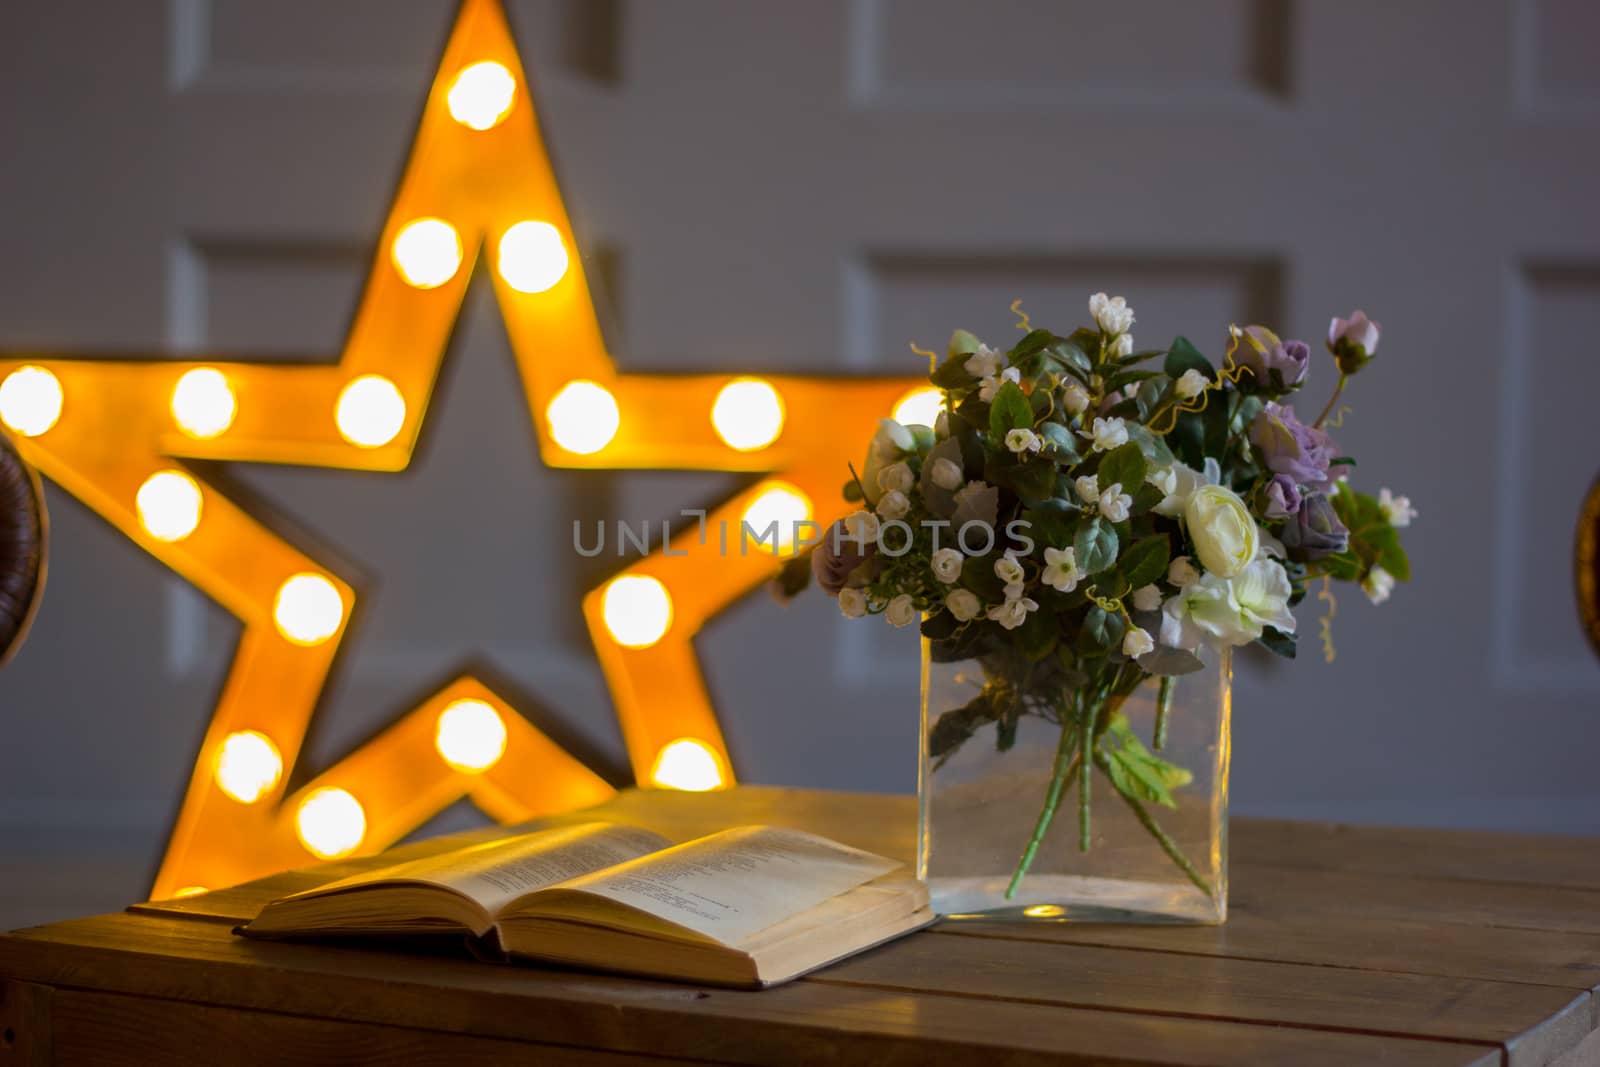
[
  {"x": 1014, "y": 590},
  {"x": 1021, "y": 440},
  {"x": 852, "y": 603},
  {"x": 862, "y": 528},
  {"x": 1013, "y": 613},
  {"x": 1378, "y": 584},
  {"x": 901, "y": 611},
  {"x": 1122, "y": 346},
  {"x": 1181, "y": 573},
  {"x": 946, "y": 473},
  {"x": 991, "y": 385},
  {"x": 1007, "y": 569},
  {"x": 1137, "y": 642},
  {"x": 1061, "y": 569},
  {"x": 889, "y": 443},
  {"x": 1088, "y": 488},
  {"x": 1147, "y": 598},
  {"x": 984, "y": 363},
  {"x": 1114, "y": 503},
  {"x": 1113, "y": 314},
  {"x": 1190, "y": 385},
  {"x": 1185, "y": 480},
  {"x": 893, "y": 505},
  {"x": 1074, "y": 397},
  {"x": 1226, "y": 612},
  {"x": 1396, "y": 509},
  {"x": 941, "y": 425},
  {"x": 947, "y": 565},
  {"x": 1109, "y": 434},
  {"x": 896, "y": 477},
  {"x": 1163, "y": 478},
  {"x": 1222, "y": 529},
  {"x": 963, "y": 604}
]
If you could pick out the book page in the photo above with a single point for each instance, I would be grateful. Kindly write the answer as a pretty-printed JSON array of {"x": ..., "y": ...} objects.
[
  {"x": 734, "y": 884},
  {"x": 497, "y": 872}
]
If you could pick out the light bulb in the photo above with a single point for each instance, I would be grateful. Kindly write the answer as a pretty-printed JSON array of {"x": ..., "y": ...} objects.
[
  {"x": 308, "y": 609},
  {"x": 782, "y": 504},
  {"x": 370, "y": 411},
  {"x": 1044, "y": 911},
  {"x": 689, "y": 765},
  {"x": 481, "y": 96},
  {"x": 30, "y": 400},
  {"x": 583, "y": 417},
  {"x": 532, "y": 257},
  {"x": 920, "y": 407},
  {"x": 169, "y": 504},
  {"x": 427, "y": 253},
  {"x": 202, "y": 403},
  {"x": 248, "y": 766},
  {"x": 471, "y": 736},
  {"x": 330, "y": 823},
  {"x": 748, "y": 414},
  {"x": 637, "y": 610}
]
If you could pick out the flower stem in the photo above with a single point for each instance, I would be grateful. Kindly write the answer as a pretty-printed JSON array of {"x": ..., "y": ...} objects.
[
  {"x": 1086, "y": 741},
  {"x": 1058, "y": 780},
  {"x": 1163, "y": 710},
  {"x": 1332, "y": 400},
  {"x": 1168, "y": 845}
]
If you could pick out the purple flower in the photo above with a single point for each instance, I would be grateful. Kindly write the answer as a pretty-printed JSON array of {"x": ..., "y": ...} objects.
[
  {"x": 1263, "y": 355},
  {"x": 1353, "y": 341},
  {"x": 838, "y": 555},
  {"x": 1315, "y": 531},
  {"x": 1289, "y": 447},
  {"x": 1283, "y": 497}
]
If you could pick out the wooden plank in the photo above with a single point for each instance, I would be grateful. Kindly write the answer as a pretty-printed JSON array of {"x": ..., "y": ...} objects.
[
  {"x": 25, "y": 1024},
  {"x": 123, "y": 1031},
  {"x": 1535, "y": 1023},
  {"x": 1469, "y": 855},
  {"x": 804, "y": 1023}
]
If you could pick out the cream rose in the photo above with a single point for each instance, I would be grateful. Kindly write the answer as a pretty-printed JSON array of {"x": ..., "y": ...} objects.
[{"x": 1222, "y": 529}]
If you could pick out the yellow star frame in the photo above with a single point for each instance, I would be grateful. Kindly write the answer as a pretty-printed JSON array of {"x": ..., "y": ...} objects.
[{"x": 112, "y": 434}]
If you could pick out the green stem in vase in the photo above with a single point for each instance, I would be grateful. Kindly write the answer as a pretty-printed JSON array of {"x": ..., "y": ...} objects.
[
  {"x": 1058, "y": 779},
  {"x": 1163, "y": 711},
  {"x": 1086, "y": 743},
  {"x": 1168, "y": 845}
]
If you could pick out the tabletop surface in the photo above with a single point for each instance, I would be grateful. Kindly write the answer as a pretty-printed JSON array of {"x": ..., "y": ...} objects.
[{"x": 1344, "y": 945}]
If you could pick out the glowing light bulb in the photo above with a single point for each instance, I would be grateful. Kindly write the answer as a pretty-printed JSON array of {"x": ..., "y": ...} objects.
[
  {"x": 370, "y": 411},
  {"x": 782, "y": 504},
  {"x": 189, "y": 891},
  {"x": 427, "y": 253},
  {"x": 532, "y": 257},
  {"x": 748, "y": 414},
  {"x": 203, "y": 404},
  {"x": 1044, "y": 911},
  {"x": 169, "y": 505},
  {"x": 471, "y": 736},
  {"x": 308, "y": 609},
  {"x": 637, "y": 610},
  {"x": 248, "y": 766},
  {"x": 689, "y": 765},
  {"x": 330, "y": 823},
  {"x": 920, "y": 407},
  {"x": 481, "y": 96},
  {"x": 30, "y": 400},
  {"x": 583, "y": 417}
]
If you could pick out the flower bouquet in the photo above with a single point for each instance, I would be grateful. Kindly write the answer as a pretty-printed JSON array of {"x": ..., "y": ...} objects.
[{"x": 1084, "y": 525}]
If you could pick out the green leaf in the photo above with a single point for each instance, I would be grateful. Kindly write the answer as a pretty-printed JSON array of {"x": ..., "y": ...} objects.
[
  {"x": 1095, "y": 546},
  {"x": 1183, "y": 356},
  {"x": 939, "y": 626},
  {"x": 1059, "y": 443},
  {"x": 1034, "y": 480},
  {"x": 1170, "y": 661},
  {"x": 852, "y": 491},
  {"x": 977, "y": 574},
  {"x": 954, "y": 727},
  {"x": 962, "y": 343},
  {"x": 1126, "y": 378},
  {"x": 1274, "y": 640},
  {"x": 1187, "y": 438},
  {"x": 1145, "y": 561},
  {"x": 1037, "y": 635},
  {"x": 1009, "y": 410},
  {"x": 1072, "y": 356},
  {"x": 1052, "y": 522},
  {"x": 1124, "y": 466},
  {"x": 1154, "y": 447},
  {"x": 793, "y": 577},
  {"x": 952, "y": 373},
  {"x": 1033, "y": 341},
  {"x": 1101, "y": 629}
]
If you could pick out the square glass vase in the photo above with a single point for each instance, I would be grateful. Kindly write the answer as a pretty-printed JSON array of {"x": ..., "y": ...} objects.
[{"x": 1002, "y": 829}]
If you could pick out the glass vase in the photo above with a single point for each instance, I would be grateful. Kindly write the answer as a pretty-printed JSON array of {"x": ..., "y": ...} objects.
[{"x": 1003, "y": 829}]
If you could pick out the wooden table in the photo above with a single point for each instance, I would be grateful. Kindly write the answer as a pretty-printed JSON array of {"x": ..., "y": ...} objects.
[{"x": 1345, "y": 946}]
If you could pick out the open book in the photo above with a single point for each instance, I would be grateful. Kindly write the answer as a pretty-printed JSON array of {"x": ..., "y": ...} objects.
[{"x": 751, "y": 906}]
